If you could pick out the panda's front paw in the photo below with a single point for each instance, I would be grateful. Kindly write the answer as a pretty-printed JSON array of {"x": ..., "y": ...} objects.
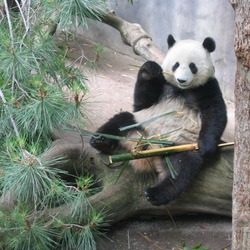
[
  {"x": 207, "y": 146},
  {"x": 101, "y": 143},
  {"x": 96, "y": 141},
  {"x": 156, "y": 196}
]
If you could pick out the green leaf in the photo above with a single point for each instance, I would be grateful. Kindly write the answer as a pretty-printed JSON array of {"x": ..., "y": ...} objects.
[{"x": 171, "y": 168}]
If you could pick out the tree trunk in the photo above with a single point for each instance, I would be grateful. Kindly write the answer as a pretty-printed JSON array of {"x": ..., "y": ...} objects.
[{"x": 241, "y": 186}]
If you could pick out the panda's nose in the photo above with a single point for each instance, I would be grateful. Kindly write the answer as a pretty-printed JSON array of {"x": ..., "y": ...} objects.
[{"x": 181, "y": 80}]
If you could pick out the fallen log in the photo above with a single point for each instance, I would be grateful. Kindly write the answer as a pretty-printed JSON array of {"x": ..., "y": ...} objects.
[{"x": 122, "y": 191}]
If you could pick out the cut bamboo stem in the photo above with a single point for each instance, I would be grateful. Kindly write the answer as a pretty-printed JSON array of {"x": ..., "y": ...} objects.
[{"x": 158, "y": 151}]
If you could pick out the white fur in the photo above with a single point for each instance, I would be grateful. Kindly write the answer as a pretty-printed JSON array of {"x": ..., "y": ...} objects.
[
  {"x": 180, "y": 128},
  {"x": 186, "y": 52}
]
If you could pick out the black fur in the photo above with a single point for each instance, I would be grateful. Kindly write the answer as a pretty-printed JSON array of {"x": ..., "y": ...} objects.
[
  {"x": 107, "y": 145},
  {"x": 149, "y": 86},
  {"x": 209, "y": 44},
  {"x": 213, "y": 116},
  {"x": 207, "y": 99},
  {"x": 187, "y": 165},
  {"x": 171, "y": 41}
]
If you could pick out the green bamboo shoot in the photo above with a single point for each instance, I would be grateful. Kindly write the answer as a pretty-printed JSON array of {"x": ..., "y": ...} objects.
[{"x": 157, "y": 152}]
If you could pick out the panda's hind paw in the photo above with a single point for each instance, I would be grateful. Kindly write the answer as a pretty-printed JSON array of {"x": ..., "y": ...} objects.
[{"x": 156, "y": 197}]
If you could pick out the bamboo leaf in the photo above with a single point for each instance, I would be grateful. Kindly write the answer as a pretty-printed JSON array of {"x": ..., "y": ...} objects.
[
  {"x": 171, "y": 168},
  {"x": 122, "y": 138},
  {"x": 146, "y": 121}
]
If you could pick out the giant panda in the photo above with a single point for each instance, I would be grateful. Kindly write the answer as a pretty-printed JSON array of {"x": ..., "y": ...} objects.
[{"x": 192, "y": 91}]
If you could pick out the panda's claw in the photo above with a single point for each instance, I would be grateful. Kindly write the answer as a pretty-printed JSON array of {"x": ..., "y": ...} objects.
[
  {"x": 95, "y": 141},
  {"x": 146, "y": 194},
  {"x": 101, "y": 143},
  {"x": 152, "y": 197}
]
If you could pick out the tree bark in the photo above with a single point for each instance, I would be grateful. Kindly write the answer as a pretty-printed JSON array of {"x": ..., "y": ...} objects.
[
  {"x": 133, "y": 35},
  {"x": 241, "y": 186}
]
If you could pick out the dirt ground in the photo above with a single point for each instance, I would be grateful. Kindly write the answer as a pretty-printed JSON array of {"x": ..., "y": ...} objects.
[
  {"x": 212, "y": 232},
  {"x": 111, "y": 85}
]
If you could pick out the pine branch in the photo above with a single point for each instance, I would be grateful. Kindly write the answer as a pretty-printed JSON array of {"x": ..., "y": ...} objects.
[
  {"x": 22, "y": 15},
  {"x": 39, "y": 92},
  {"x": 9, "y": 22},
  {"x": 10, "y": 115}
]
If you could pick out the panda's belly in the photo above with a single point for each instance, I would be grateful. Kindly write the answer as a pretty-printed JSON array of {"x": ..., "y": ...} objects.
[{"x": 181, "y": 127}]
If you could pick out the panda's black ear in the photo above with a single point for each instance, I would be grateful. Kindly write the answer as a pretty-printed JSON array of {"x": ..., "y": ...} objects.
[
  {"x": 209, "y": 44},
  {"x": 171, "y": 41}
]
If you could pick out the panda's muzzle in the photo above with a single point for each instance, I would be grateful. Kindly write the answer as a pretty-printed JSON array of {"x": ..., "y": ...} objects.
[
  {"x": 181, "y": 80},
  {"x": 183, "y": 84}
]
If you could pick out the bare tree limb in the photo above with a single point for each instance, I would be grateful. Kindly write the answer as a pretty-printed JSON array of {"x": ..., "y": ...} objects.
[{"x": 133, "y": 35}]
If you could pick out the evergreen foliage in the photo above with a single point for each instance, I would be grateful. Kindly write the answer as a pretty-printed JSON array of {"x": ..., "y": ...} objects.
[{"x": 34, "y": 80}]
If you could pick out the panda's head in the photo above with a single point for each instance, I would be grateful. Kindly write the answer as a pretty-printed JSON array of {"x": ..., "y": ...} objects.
[{"x": 189, "y": 61}]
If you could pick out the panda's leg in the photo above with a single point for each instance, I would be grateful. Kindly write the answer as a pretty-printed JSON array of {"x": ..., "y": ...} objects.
[
  {"x": 187, "y": 165},
  {"x": 112, "y": 127}
]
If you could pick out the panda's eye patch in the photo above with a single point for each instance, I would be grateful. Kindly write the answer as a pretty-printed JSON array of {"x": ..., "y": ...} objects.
[
  {"x": 193, "y": 68},
  {"x": 175, "y": 66}
]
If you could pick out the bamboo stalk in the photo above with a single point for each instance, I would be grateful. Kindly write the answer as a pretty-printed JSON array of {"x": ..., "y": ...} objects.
[{"x": 158, "y": 152}]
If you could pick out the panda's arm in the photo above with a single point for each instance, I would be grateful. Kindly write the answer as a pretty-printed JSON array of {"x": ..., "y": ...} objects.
[
  {"x": 213, "y": 116},
  {"x": 149, "y": 85},
  {"x": 111, "y": 127}
]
